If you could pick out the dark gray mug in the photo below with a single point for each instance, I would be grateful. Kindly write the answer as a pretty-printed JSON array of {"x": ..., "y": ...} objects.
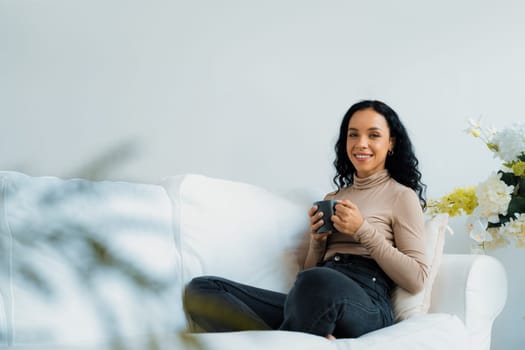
[{"x": 328, "y": 209}]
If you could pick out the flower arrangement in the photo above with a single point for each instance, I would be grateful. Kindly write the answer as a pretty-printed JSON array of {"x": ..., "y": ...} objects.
[{"x": 495, "y": 207}]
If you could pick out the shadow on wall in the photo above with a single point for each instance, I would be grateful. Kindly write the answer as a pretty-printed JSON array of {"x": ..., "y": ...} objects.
[{"x": 102, "y": 166}]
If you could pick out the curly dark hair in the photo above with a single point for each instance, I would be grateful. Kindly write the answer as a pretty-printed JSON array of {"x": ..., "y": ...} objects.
[{"x": 402, "y": 164}]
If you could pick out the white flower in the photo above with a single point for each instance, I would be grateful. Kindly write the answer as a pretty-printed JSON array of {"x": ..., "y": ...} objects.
[
  {"x": 474, "y": 124},
  {"x": 477, "y": 130},
  {"x": 493, "y": 198},
  {"x": 515, "y": 228},
  {"x": 477, "y": 228},
  {"x": 474, "y": 127},
  {"x": 498, "y": 240},
  {"x": 510, "y": 142}
]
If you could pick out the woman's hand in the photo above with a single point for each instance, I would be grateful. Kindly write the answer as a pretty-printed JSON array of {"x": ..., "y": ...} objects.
[
  {"x": 316, "y": 222},
  {"x": 347, "y": 218}
]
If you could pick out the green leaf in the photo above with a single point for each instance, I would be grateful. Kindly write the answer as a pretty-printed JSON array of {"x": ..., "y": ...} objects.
[
  {"x": 521, "y": 187},
  {"x": 517, "y": 205},
  {"x": 503, "y": 219},
  {"x": 493, "y": 147},
  {"x": 509, "y": 178}
]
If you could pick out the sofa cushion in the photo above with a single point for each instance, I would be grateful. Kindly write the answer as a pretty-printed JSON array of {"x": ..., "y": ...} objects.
[
  {"x": 429, "y": 332},
  {"x": 406, "y": 304},
  {"x": 236, "y": 230},
  {"x": 259, "y": 340}
]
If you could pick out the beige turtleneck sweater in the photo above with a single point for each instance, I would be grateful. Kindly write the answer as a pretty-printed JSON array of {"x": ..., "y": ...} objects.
[{"x": 392, "y": 232}]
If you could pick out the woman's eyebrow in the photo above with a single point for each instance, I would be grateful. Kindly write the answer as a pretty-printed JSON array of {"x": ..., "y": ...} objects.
[{"x": 370, "y": 129}]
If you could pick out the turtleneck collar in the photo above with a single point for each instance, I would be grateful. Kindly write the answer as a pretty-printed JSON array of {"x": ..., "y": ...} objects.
[{"x": 370, "y": 181}]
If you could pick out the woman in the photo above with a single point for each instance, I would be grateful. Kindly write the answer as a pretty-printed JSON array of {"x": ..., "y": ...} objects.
[{"x": 344, "y": 290}]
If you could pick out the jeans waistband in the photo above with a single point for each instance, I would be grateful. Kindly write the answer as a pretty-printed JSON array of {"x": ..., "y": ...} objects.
[{"x": 345, "y": 259}]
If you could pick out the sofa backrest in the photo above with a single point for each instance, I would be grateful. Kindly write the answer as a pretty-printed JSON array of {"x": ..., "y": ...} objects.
[{"x": 237, "y": 231}]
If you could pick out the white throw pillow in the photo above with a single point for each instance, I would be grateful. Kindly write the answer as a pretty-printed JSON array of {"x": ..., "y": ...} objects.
[
  {"x": 236, "y": 230},
  {"x": 407, "y": 305}
]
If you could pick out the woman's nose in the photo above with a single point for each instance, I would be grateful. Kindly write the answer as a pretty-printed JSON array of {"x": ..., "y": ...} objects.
[{"x": 362, "y": 142}]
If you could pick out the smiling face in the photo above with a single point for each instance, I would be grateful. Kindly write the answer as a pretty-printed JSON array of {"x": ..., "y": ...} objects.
[{"x": 368, "y": 142}]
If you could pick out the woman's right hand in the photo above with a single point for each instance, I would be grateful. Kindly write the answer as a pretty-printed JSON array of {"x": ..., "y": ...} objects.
[{"x": 316, "y": 221}]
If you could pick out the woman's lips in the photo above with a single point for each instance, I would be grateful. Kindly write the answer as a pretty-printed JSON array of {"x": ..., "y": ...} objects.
[{"x": 362, "y": 156}]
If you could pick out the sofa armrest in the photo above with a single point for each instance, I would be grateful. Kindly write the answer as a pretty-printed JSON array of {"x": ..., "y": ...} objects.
[{"x": 474, "y": 288}]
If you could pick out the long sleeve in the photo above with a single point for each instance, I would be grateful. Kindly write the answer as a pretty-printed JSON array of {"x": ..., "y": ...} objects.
[
  {"x": 315, "y": 253},
  {"x": 404, "y": 262}
]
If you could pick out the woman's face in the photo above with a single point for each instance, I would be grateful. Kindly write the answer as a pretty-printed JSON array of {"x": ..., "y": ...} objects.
[{"x": 368, "y": 141}]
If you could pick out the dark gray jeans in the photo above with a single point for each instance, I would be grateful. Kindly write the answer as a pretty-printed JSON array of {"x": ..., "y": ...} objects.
[{"x": 346, "y": 296}]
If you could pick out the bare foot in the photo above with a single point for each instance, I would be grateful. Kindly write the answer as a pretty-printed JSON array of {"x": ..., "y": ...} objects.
[{"x": 330, "y": 337}]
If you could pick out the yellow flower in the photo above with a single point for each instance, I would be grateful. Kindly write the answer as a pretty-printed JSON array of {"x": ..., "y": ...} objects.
[
  {"x": 459, "y": 202},
  {"x": 518, "y": 168}
]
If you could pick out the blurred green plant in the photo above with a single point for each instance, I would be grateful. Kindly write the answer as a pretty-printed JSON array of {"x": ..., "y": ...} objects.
[
  {"x": 90, "y": 255},
  {"x": 103, "y": 165}
]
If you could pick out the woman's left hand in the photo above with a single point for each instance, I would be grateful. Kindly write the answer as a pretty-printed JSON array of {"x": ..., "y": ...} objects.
[{"x": 347, "y": 218}]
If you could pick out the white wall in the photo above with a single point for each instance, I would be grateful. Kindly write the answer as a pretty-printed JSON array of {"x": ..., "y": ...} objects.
[{"x": 255, "y": 90}]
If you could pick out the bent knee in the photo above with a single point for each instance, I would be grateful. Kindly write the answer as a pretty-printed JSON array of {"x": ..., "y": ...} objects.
[
  {"x": 196, "y": 288},
  {"x": 200, "y": 283},
  {"x": 317, "y": 274},
  {"x": 319, "y": 277}
]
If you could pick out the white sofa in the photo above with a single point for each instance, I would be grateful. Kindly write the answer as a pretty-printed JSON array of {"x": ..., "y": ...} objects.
[{"x": 183, "y": 227}]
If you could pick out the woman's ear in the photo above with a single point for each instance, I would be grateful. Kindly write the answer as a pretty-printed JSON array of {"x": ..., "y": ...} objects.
[{"x": 392, "y": 144}]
